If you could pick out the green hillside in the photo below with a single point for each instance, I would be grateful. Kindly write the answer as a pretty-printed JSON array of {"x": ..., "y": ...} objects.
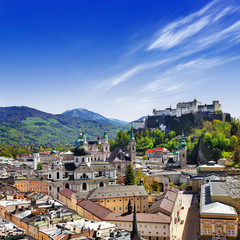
[{"x": 26, "y": 126}]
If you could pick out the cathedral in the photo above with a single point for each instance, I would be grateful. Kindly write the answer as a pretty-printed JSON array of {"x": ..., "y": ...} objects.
[{"x": 84, "y": 168}]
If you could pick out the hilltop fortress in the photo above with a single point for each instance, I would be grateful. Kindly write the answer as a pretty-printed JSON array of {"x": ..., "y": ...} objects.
[
  {"x": 188, "y": 107},
  {"x": 195, "y": 109}
]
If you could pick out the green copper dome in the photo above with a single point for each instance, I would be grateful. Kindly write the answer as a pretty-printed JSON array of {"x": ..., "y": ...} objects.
[
  {"x": 53, "y": 152},
  {"x": 176, "y": 152},
  {"x": 84, "y": 136},
  {"x": 183, "y": 142},
  {"x": 78, "y": 142},
  {"x": 105, "y": 135},
  {"x": 131, "y": 134}
]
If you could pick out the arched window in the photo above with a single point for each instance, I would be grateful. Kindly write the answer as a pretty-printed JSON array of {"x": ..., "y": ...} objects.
[
  {"x": 76, "y": 159},
  {"x": 50, "y": 188},
  {"x": 66, "y": 185},
  {"x": 101, "y": 184},
  {"x": 84, "y": 175},
  {"x": 83, "y": 159},
  {"x": 58, "y": 189},
  {"x": 58, "y": 175},
  {"x": 84, "y": 186},
  {"x": 100, "y": 173},
  {"x": 50, "y": 176}
]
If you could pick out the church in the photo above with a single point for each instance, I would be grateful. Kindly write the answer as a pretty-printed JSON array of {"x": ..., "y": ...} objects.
[{"x": 84, "y": 169}]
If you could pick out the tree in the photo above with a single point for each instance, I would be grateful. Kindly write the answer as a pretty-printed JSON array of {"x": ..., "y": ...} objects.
[
  {"x": 39, "y": 166},
  {"x": 207, "y": 137},
  {"x": 156, "y": 186},
  {"x": 129, "y": 175}
]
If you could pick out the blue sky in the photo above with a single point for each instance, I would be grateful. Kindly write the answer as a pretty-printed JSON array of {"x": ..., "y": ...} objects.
[{"x": 119, "y": 58}]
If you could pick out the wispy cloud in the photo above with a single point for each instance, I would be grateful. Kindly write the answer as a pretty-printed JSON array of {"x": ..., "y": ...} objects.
[
  {"x": 175, "y": 33},
  {"x": 173, "y": 60}
]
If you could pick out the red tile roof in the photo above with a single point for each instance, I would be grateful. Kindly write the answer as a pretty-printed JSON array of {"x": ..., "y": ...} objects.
[
  {"x": 160, "y": 149},
  {"x": 66, "y": 192},
  {"x": 150, "y": 151},
  {"x": 94, "y": 208},
  {"x": 141, "y": 217}
]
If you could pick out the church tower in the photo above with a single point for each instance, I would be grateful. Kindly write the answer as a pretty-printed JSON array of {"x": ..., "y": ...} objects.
[
  {"x": 105, "y": 146},
  {"x": 132, "y": 147},
  {"x": 183, "y": 153}
]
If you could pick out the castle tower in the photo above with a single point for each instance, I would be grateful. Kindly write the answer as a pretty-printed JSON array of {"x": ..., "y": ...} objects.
[
  {"x": 183, "y": 153},
  {"x": 132, "y": 147}
]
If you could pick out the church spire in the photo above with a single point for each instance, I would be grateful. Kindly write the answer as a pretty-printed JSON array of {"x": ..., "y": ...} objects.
[
  {"x": 131, "y": 134},
  {"x": 135, "y": 234}
]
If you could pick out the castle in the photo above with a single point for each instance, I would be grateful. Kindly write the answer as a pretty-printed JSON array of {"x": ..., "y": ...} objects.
[
  {"x": 188, "y": 107},
  {"x": 160, "y": 118}
]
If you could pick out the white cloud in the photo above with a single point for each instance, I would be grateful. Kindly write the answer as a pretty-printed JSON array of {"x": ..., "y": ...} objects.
[
  {"x": 170, "y": 39},
  {"x": 195, "y": 24}
]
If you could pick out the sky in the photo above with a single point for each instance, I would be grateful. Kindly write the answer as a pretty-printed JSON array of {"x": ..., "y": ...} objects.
[{"x": 119, "y": 58}]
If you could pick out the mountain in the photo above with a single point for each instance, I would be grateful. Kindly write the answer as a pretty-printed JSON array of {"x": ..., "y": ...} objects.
[
  {"x": 116, "y": 121},
  {"x": 86, "y": 114},
  {"x": 89, "y": 115},
  {"x": 24, "y": 126}
]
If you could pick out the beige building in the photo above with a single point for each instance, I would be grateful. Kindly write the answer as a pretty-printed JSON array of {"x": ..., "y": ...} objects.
[
  {"x": 155, "y": 223},
  {"x": 114, "y": 198},
  {"x": 219, "y": 204},
  {"x": 211, "y": 167}
]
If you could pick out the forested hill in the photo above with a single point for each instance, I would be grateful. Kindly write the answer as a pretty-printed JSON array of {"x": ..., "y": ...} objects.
[
  {"x": 29, "y": 126},
  {"x": 209, "y": 140}
]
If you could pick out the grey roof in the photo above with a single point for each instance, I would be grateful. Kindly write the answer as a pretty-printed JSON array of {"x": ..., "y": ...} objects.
[
  {"x": 218, "y": 208},
  {"x": 101, "y": 166},
  {"x": 83, "y": 168},
  {"x": 118, "y": 154},
  {"x": 217, "y": 189},
  {"x": 117, "y": 191}
]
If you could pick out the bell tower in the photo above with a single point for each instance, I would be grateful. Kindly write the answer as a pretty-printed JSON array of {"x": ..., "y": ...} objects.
[{"x": 183, "y": 153}]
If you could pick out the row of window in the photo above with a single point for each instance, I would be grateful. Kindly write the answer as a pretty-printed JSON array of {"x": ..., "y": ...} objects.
[{"x": 229, "y": 232}]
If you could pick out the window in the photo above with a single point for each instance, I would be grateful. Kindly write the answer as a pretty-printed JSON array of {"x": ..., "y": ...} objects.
[
  {"x": 50, "y": 176},
  {"x": 84, "y": 186},
  {"x": 58, "y": 175},
  {"x": 137, "y": 206},
  {"x": 114, "y": 208},
  {"x": 207, "y": 230},
  {"x": 230, "y": 232},
  {"x": 120, "y": 208},
  {"x": 144, "y": 206},
  {"x": 76, "y": 159},
  {"x": 58, "y": 189},
  {"x": 102, "y": 185}
]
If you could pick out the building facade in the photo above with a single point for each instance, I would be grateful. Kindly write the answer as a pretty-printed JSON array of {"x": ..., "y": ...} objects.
[{"x": 88, "y": 169}]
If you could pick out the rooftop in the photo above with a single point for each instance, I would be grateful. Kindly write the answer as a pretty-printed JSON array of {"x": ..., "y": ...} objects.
[{"x": 218, "y": 208}]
